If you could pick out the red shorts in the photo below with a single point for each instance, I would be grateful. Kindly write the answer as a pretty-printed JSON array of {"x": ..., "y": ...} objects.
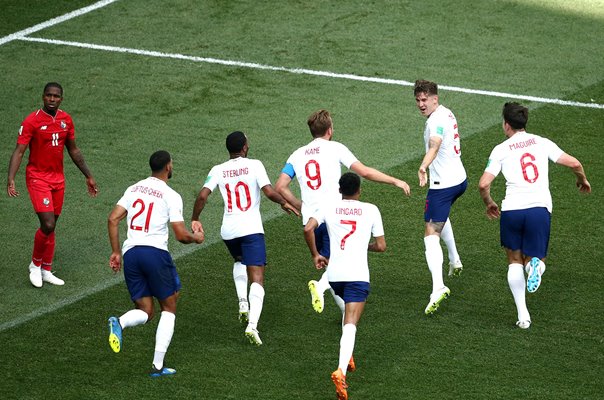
[{"x": 46, "y": 197}]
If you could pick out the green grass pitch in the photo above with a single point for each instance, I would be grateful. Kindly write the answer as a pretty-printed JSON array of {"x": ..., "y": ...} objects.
[{"x": 125, "y": 106}]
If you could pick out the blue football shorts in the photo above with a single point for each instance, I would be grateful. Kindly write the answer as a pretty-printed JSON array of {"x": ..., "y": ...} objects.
[
  {"x": 351, "y": 292},
  {"x": 322, "y": 240},
  {"x": 150, "y": 271},
  {"x": 249, "y": 249},
  {"x": 439, "y": 202},
  {"x": 526, "y": 230}
]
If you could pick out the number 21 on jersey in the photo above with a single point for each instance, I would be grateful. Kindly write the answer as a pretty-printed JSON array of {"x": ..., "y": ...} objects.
[{"x": 146, "y": 218}]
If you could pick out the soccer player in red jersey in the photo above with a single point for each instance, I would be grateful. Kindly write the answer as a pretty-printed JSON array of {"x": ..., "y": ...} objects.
[{"x": 46, "y": 132}]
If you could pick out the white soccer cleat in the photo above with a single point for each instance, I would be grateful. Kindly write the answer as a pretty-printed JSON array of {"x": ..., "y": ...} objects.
[
  {"x": 253, "y": 336},
  {"x": 35, "y": 275},
  {"x": 244, "y": 309},
  {"x": 455, "y": 268},
  {"x": 435, "y": 299},
  {"x": 48, "y": 276},
  {"x": 523, "y": 324}
]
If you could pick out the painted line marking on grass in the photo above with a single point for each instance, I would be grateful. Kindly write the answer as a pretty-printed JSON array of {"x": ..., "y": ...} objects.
[
  {"x": 302, "y": 71},
  {"x": 55, "y": 21}
]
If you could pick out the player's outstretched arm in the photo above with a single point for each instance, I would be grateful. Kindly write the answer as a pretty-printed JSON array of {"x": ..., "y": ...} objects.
[
  {"x": 571, "y": 162},
  {"x": 13, "y": 167},
  {"x": 484, "y": 186},
  {"x": 309, "y": 236},
  {"x": 274, "y": 196},
  {"x": 433, "y": 147},
  {"x": 117, "y": 214},
  {"x": 184, "y": 236},
  {"x": 200, "y": 203},
  {"x": 378, "y": 245},
  {"x": 78, "y": 160},
  {"x": 377, "y": 176},
  {"x": 282, "y": 187}
]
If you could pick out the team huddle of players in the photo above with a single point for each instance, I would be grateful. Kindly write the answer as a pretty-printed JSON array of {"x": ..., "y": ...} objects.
[{"x": 338, "y": 228}]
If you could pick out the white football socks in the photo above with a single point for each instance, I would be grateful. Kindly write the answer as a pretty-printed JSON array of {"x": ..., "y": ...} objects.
[
  {"x": 133, "y": 318},
  {"x": 449, "y": 239},
  {"x": 349, "y": 332},
  {"x": 256, "y": 300},
  {"x": 163, "y": 337},
  {"x": 518, "y": 287},
  {"x": 339, "y": 301},
  {"x": 240, "y": 279},
  {"x": 323, "y": 283},
  {"x": 434, "y": 258}
]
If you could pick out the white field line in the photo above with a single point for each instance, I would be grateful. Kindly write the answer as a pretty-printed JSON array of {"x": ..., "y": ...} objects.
[
  {"x": 303, "y": 71},
  {"x": 55, "y": 21}
]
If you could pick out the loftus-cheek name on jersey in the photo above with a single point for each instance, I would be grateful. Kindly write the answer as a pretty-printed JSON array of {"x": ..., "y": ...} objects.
[
  {"x": 314, "y": 150},
  {"x": 147, "y": 190},
  {"x": 522, "y": 145},
  {"x": 349, "y": 211},
  {"x": 233, "y": 173}
]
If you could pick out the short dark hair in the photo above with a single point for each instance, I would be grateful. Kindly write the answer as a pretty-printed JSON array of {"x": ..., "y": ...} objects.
[
  {"x": 159, "y": 160},
  {"x": 235, "y": 141},
  {"x": 350, "y": 183},
  {"x": 319, "y": 122},
  {"x": 423, "y": 86},
  {"x": 515, "y": 115},
  {"x": 53, "y": 84}
]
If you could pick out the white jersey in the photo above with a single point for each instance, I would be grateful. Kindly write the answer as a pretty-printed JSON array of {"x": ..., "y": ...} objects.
[
  {"x": 447, "y": 169},
  {"x": 318, "y": 170},
  {"x": 523, "y": 159},
  {"x": 350, "y": 224},
  {"x": 240, "y": 181},
  {"x": 150, "y": 204}
]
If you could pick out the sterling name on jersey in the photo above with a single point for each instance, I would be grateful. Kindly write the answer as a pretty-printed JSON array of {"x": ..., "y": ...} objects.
[
  {"x": 150, "y": 204},
  {"x": 447, "y": 169},
  {"x": 240, "y": 181},
  {"x": 350, "y": 224},
  {"x": 318, "y": 170},
  {"x": 523, "y": 159}
]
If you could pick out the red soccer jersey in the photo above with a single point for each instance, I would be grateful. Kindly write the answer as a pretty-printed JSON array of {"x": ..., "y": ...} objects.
[{"x": 46, "y": 137}]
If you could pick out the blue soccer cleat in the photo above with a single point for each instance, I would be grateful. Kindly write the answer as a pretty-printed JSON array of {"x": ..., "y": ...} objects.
[
  {"x": 534, "y": 275},
  {"x": 156, "y": 373},
  {"x": 115, "y": 334}
]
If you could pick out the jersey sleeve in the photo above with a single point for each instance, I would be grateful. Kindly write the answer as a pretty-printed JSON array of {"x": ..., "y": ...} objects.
[
  {"x": 175, "y": 208},
  {"x": 346, "y": 156},
  {"x": 494, "y": 163},
  {"x": 212, "y": 179},
  {"x": 26, "y": 132},
  {"x": 377, "y": 229},
  {"x": 554, "y": 152},
  {"x": 125, "y": 200},
  {"x": 70, "y": 128},
  {"x": 261, "y": 176},
  {"x": 436, "y": 127}
]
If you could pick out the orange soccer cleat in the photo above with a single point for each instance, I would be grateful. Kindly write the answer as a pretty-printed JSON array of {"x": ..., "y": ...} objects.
[{"x": 339, "y": 379}]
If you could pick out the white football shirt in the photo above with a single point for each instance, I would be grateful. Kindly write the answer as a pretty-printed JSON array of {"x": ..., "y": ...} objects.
[
  {"x": 447, "y": 169},
  {"x": 240, "y": 181},
  {"x": 523, "y": 159},
  {"x": 350, "y": 224},
  {"x": 150, "y": 204},
  {"x": 317, "y": 169}
]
